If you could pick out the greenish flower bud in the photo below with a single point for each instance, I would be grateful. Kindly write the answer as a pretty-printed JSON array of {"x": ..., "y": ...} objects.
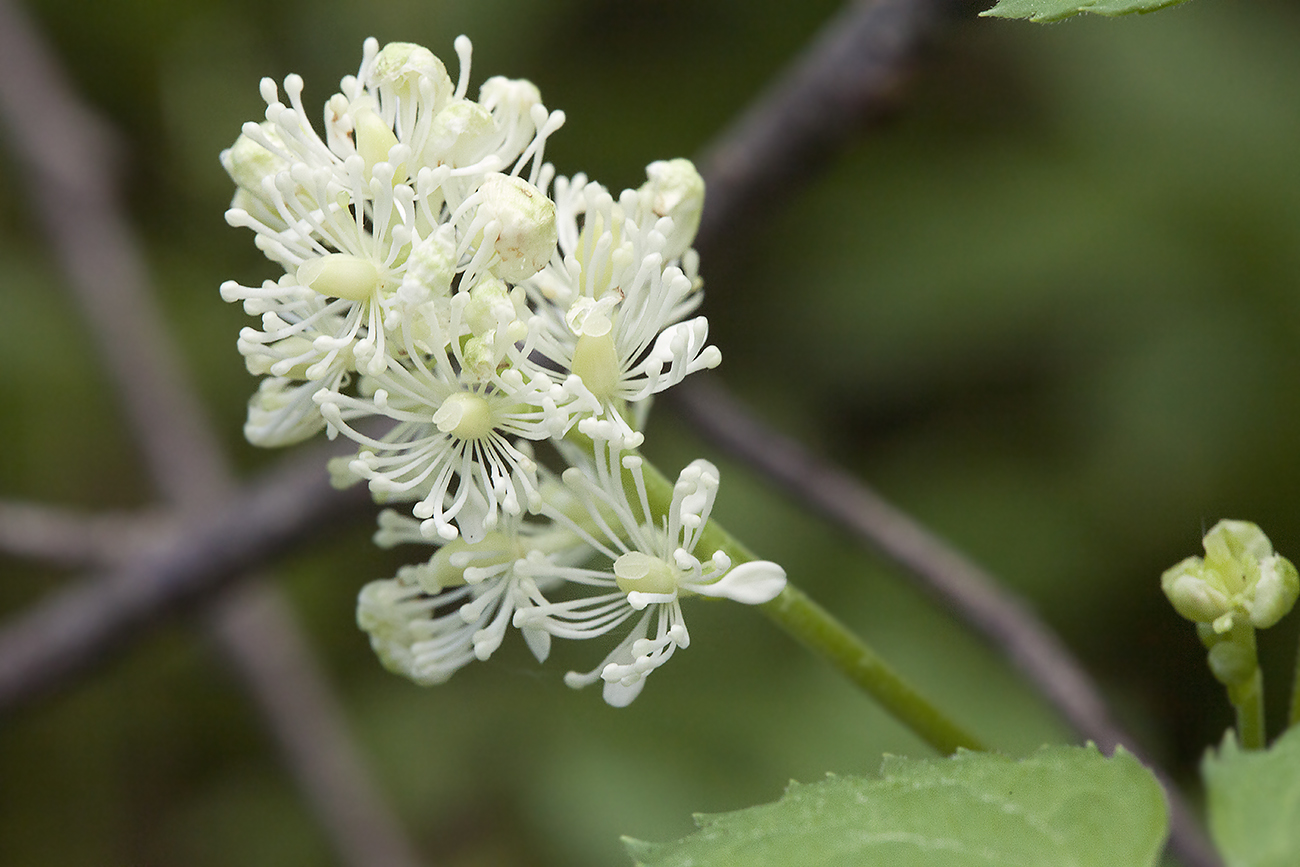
[
  {"x": 248, "y": 163},
  {"x": 595, "y": 361},
  {"x": 526, "y": 217},
  {"x": 430, "y": 269},
  {"x": 461, "y": 134},
  {"x": 374, "y": 140},
  {"x": 1275, "y": 592},
  {"x": 1239, "y": 576},
  {"x": 639, "y": 572},
  {"x": 485, "y": 305},
  {"x": 401, "y": 66},
  {"x": 1192, "y": 593},
  {"x": 674, "y": 189},
  {"x": 1231, "y": 663}
]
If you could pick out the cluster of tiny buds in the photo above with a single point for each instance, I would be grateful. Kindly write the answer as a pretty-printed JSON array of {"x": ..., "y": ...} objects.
[{"x": 446, "y": 302}]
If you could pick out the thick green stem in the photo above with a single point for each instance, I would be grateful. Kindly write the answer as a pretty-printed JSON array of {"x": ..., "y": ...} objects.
[{"x": 820, "y": 632}]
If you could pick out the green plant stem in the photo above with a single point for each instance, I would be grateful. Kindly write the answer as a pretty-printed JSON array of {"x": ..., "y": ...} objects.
[
  {"x": 820, "y": 632},
  {"x": 1248, "y": 699},
  {"x": 816, "y": 629}
]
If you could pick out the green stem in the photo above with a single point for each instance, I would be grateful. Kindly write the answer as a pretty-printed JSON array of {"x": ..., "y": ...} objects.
[
  {"x": 1234, "y": 660},
  {"x": 1248, "y": 699},
  {"x": 816, "y": 629}
]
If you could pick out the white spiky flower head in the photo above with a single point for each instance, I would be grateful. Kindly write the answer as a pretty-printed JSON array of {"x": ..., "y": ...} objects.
[
  {"x": 374, "y": 221},
  {"x": 614, "y": 297}
]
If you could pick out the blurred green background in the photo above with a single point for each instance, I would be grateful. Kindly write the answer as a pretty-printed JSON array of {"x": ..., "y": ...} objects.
[{"x": 1051, "y": 309}]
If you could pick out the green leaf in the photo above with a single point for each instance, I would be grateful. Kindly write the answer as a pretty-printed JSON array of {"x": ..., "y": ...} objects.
[
  {"x": 1254, "y": 801},
  {"x": 1055, "y": 10},
  {"x": 1061, "y": 806}
]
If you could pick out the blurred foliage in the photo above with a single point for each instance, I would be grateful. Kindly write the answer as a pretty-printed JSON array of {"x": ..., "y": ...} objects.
[{"x": 1051, "y": 310}]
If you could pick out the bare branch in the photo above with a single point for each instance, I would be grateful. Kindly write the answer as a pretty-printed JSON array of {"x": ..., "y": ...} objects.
[
  {"x": 77, "y": 627},
  {"x": 850, "y": 76},
  {"x": 70, "y": 538}
]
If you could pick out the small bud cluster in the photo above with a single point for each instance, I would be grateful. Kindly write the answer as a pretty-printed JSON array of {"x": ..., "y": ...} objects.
[
  {"x": 1239, "y": 586},
  {"x": 446, "y": 302},
  {"x": 1240, "y": 579}
]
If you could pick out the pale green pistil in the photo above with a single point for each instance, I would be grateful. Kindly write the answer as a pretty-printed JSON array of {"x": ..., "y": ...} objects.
[
  {"x": 596, "y": 361},
  {"x": 340, "y": 275},
  {"x": 641, "y": 573},
  {"x": 465, "y": 416}
]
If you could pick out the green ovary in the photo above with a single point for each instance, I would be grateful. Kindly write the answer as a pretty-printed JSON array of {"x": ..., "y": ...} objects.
[
  {"x": 465, "y": 416},
  {"x": 596, "y": 362},
  {"x": 340, "y": 275},
  {"x": 641, "y": 573}
]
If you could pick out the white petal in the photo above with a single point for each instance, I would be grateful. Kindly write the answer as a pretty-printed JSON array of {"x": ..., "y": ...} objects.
[
  {"x": 751, "y": 583},
  {"x": 538, "y": 640},
  {"x": 618, "y": 694}
]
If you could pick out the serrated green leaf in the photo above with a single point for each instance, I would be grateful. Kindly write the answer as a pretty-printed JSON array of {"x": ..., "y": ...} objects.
[
  {"x": 1254, "y": 802},
  {"x": 1061, "y": 806},
  {"x": 1055, "y": 10}
]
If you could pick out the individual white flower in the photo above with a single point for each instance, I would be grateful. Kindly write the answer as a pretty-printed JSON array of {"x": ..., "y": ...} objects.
[
  {"x": 458, "y": 410},
  {"x": 612, "y": 301},
  {"x": 324, "y": 319},
  {"x": 652, "y": 567},
  {"x": 436, "y": 617}
]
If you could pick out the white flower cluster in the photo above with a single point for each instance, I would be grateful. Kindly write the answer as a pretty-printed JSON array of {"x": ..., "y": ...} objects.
[{"x": 446, "y": 302}]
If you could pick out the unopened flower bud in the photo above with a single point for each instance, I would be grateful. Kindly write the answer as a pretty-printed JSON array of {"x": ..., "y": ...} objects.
[
  {"x": 489, "y": 302},
  {"x": 459, "y": 562},
  {"x": 527, "y": 235},
  {"x": 1232, "y": 663},
  {"x": 1275, "y": 593},
  {"x": 248, "y": 163},
  {"x": 1239, "y": 576},
  {"x": 514, "y": 96},
  {"x": 461, "y": 134},
  {"x": 674, "y": 189},
  {"x": 401, "y": 66}
]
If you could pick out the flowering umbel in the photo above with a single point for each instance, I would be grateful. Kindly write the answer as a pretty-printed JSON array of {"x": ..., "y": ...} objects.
[{"x": 446, "y": 302}]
